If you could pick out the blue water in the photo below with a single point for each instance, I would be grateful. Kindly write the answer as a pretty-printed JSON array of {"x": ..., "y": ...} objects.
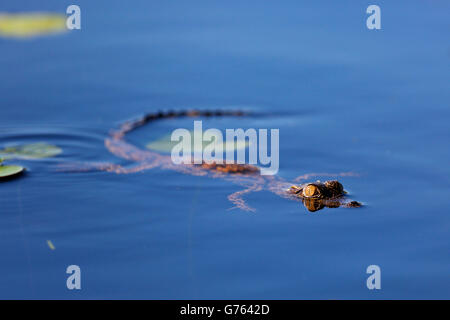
[{"x": 344, "y": 98}]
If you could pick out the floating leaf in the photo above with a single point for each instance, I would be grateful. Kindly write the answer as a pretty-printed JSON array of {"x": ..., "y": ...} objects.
[
  {"x": 165, "y": 144},
  {"x": 50, "y": 245},
  {"x": 23, "y": 25},
  {"x": 8, "y": 171},
  {"x": 31, "y": 151}
]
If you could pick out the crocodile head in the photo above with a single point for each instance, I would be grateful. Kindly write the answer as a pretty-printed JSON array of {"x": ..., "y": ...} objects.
[{"x": 317, "y": 195}]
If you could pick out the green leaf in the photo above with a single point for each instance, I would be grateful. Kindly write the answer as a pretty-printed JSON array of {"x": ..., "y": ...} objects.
[
  {"x": 165, "y": 145},
  {"x": 31, "y": 151},
  {"x": 8, "y": 171}
]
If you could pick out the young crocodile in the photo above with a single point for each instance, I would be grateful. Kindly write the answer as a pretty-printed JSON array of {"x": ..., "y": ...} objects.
[{"x": 314, "y": 196}]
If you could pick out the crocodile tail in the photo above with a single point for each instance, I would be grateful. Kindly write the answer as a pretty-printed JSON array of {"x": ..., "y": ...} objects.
[{"x": 150, "y": 117}]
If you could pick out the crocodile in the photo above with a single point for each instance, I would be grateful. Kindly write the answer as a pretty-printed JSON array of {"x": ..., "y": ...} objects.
[{"x": 314, "y": 196}]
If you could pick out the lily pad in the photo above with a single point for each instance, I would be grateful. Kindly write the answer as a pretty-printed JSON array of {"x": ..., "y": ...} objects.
[
  {"x": 31, "y": 151},
  {"x": 165, "y": 145},
  {"x": 24, "y": 25},
  {"x": 8, "y": 171}
]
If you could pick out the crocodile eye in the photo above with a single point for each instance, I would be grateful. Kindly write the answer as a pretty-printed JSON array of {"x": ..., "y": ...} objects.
[{"x": 311, "y": 190}]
